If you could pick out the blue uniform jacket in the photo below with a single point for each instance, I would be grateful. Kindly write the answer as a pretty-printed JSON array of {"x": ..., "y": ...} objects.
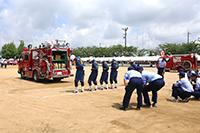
[
  {"x": 79, "y": 71},
  {"x": 114, "y": 65}
]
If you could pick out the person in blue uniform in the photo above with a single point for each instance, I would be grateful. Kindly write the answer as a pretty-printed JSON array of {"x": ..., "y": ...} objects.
[
  {"x": 196, "y": 86},
  {"x": 161, "y": 66},
  {"x": 113, "y": 73},
  {"x": 132, "y": 65},
  {"x": 182, "y": 89},
  {"x": 152, "y": 82},
  {"x": 132, "y": 80},
  {"x": 104, "y": 75},
  {"x": 79, "y": 74},
  {"x": 93, "y": 75}
]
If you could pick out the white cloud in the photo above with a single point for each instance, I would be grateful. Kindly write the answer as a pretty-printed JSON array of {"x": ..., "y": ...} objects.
[{"x": 91, "y": 22}]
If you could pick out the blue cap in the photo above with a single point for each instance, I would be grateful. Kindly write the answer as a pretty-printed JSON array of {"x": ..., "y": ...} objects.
[
  {"x": 132, "y": 67},
  {"x": 194, "y": 74},
  {"x": 181, "y": 74},
  {"x": 138, "y": 68}
]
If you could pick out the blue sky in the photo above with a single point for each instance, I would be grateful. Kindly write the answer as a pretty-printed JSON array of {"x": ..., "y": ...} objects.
[{"x": 90, "y": 22}]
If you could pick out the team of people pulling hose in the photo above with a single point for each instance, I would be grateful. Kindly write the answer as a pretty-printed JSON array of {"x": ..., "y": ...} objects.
[{"x": 140, "y": 80}]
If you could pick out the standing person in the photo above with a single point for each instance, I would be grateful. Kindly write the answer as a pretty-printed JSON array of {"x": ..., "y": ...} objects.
[
  {"x": 182, "y": 88},
  {"x": 132, "y": 80},
  {"x": 5, "y": 62},
  {"x": 152, "y": 82},
  {"x": 114, "y": 73},
  {"x": 79, "y": 74},
  {"x": 104, "y": 75},
  {"x": 132, "y": 65},
  {"x": 161, "y": 66},
  {"x": 1, "y": 62},
  {"x": 93, "y": 76}
]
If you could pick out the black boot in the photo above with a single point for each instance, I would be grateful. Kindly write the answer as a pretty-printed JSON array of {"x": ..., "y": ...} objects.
[
  {"x": 123, "y": 108},
  {"x": 154, "y": 105}
]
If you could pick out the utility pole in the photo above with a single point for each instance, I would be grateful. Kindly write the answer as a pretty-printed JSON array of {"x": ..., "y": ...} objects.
[
  {"x": 125, "y": 35},
  {"x": 188, "y": 37}
]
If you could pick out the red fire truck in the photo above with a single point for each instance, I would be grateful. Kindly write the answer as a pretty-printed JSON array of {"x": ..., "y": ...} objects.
[
  {"x": 184, "y": 61},
  {"x": 49, "y": 61}
]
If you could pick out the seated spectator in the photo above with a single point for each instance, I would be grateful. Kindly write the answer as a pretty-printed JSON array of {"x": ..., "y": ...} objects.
[
  {"x": 182, "y": 89},
  {"x": 196, "y": 86}
]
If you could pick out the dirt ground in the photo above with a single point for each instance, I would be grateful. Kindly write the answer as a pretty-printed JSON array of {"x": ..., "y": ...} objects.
[{"x": 29, "y": 107}]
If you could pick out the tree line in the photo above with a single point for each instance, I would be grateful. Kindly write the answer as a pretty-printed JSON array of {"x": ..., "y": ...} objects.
[
  {"x": 119, "y": 50},
  {"x": 9, "y": 50}
]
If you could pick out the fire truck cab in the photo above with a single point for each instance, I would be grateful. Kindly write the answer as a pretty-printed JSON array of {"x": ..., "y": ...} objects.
[
  {"x": 50, "y": 61},
  {"x": 184, "y": 61}
]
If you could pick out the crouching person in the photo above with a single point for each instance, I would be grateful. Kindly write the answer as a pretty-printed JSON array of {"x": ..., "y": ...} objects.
[
  {"x": 195, "y": 78},
  {"x": 132, "y": 80},
  {"x": 182, "y": 88},
  {"x": 152, "y": 82},
  {"x": 79, "y": 74}
]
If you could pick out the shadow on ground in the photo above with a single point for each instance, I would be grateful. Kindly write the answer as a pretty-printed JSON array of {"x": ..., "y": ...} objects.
[
  {"x": 132, "y": 106},
  {"x": 44, "y": 81}
]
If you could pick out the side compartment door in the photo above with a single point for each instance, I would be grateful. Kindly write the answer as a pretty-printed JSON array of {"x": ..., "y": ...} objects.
[{"x": 25, "y": 64}]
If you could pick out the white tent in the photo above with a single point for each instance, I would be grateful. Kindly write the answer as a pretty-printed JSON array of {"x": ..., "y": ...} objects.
[
  {"x": 198, "y": 57},
  {"x": 138, "y": 58}
]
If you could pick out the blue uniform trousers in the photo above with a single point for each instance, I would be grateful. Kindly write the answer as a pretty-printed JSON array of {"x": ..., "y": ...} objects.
[
  {"x": 161, "y": 71},
  {"x": 93, "y": 78},
  {"x": 134, "y": 83},
  {"x": 153, "y": 86},
  {"x": 79, "y": 77},
  {"x": 104, "y": 77},
  {"x": 113, "y": 76},
  {"x": 178, "y": 91},
  {"x": 196, "y": 94}
]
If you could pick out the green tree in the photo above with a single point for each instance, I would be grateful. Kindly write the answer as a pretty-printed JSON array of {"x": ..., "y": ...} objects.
[
  {"x": 142, "y": 52},
  {"x": 20, "y": 48},
  {"x": 9, "y": 50},
  {"x": 115, "y": 50},
  {"x": 183, "y": 48}
]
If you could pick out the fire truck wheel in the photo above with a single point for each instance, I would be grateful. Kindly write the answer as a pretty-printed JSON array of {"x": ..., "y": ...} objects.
[
  {"x": 35, "y": 76},
  {"x": 187, "y": 65},
  {"x": 57, "y": 79}
]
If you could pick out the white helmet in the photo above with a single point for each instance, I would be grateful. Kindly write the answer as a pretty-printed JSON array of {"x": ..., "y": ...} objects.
[{"x": 72, "y": 57}]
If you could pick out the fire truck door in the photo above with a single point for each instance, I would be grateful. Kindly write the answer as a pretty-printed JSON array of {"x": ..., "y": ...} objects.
[{"x": 26, "y": 64}]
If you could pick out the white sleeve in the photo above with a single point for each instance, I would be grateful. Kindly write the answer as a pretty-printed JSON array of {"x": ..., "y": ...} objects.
[{"x": 126, "y": 76}]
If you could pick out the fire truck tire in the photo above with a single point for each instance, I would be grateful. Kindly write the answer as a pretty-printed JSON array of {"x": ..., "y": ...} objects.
[
  {"x": 57, "y": 79},
  {"x": 35, "y": 76},
  {"x": 187, "y": 65}
]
